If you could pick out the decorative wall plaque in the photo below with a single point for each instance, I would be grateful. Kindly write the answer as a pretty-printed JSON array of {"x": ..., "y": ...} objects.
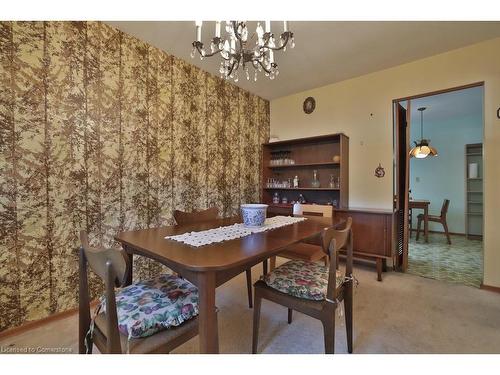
[
  {"x": 379, "y": 171},
  {"x": 309, "y": 105}
]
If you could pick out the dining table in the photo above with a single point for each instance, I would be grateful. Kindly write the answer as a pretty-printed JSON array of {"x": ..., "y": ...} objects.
[
  {"x": 421, "y": 204},
  {"x": 210, "y": 266}
]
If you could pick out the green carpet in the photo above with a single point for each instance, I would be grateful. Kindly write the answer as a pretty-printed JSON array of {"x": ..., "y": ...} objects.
[{"x": 461, "y": 262}]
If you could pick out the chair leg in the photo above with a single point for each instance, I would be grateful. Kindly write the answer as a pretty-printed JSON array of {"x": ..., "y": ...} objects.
[
  {"x": 418, "y": 228},
  {"x": 410, "y": 219},
  {"x": 329, "y": 332},
  {"x": 326, "y": 260},
  {"x": 348, "y": 315},
  {"x": 264, "y": 267},
  {"x": 445, "y": 226},
  {"x": 249, "y": 286},
  {"x": 290, "y": 313},
  {"x": 256, "y": 321},
  {"x": 272, "y": 263}
]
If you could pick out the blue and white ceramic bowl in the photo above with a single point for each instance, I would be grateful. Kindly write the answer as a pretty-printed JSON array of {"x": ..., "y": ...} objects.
[{"x": 254, "y": 214}]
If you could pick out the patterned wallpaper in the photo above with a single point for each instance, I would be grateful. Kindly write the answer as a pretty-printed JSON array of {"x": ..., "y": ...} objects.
[{"x": 101, "y": 131}]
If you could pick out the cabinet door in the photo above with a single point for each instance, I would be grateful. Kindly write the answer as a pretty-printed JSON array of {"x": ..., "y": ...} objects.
[{"x": 369, "y": 231}]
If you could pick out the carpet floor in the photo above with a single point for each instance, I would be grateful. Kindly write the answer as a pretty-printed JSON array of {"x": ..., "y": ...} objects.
[
  {"x": 402, "y": 314},
  {"x": 461, "y": 262}
]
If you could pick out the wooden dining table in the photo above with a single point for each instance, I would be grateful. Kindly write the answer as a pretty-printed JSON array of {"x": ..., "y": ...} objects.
[
  {"x": 423, "y": 205},
  {"x": 212, "y": 265}
]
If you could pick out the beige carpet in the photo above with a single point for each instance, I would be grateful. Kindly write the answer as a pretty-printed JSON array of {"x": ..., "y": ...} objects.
[{"x": 402, "y": 314}]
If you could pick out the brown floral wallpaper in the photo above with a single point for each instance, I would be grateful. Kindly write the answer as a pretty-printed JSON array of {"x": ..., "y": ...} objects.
[{"x": 101, "y": 131}]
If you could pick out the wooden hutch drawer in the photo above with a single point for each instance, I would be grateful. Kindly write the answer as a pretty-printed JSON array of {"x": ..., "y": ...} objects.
[{"x": 279, "y": 209}]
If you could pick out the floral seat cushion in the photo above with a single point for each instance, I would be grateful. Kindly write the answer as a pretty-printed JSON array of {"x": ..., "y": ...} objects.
[
  {"x": 302, "y": 279},
  {"x": 149, "y": 306}
]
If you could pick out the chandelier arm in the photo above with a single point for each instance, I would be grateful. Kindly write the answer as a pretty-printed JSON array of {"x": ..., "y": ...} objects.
[
  {"x": 285, "y": 41},
  {"x": 263, "y": 67},
  {"x": 286, "y": 36},
  {"x": 213, "y": 53},
  {"x": 232, "y": 66},
  {"x": 235, "y": 30}
]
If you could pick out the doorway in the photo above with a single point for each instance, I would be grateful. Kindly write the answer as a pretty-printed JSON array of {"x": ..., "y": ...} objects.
[{"x": 439, "y": 199}]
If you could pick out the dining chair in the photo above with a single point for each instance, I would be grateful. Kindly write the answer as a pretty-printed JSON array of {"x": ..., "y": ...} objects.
[
  {"x": 148, "y": 316},
  {"x": 184, "y": 218},
  {"x": 437, "y": 219},
  {"x": 310, "y": 249},
  {"x": 311, "y": 288},
  {"x": 410, "y": 221}
]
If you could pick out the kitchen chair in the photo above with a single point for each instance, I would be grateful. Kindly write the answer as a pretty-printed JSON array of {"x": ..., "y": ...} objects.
[
  {"x": 183, "y": 218},
  {"x": 437, "y": 219},
  {"x": 311, "y": 288},
  {"x": 310, "y": 249},
  {"x": 151, "y": 316}
]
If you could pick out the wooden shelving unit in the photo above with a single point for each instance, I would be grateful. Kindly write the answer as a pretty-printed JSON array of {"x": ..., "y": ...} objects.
[
  {"x": 306, "y": 188},
  {"x": 318, "y": 164},
  {"x": 474, "y": 192},
  {"x": 309, "y": 154}
]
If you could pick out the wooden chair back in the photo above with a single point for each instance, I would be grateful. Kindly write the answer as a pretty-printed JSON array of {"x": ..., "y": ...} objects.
[
  {"x": 112, "y": 266},
  {"x": 333, "y": 240},
  {"x": 183, "y": 218},
  {"x": 444, "y": 208}
]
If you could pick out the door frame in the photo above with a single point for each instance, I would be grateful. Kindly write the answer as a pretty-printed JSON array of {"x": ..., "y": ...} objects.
[{"x": 397, "y": 136}]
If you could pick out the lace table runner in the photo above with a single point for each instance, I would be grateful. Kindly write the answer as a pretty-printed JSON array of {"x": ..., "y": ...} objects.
[{"x": 232, "y": 232}]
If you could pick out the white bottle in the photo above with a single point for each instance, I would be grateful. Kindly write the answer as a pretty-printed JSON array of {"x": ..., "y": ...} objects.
[
  {"x": 296, "y": 182},
  {"x": 297, "y": 209}
]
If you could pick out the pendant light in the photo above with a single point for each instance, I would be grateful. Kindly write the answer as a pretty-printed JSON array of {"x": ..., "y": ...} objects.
[{"x": 422, "y": 148}]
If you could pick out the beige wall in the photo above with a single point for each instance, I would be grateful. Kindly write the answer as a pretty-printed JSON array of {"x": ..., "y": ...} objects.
[{"x": 361, "y": 108}]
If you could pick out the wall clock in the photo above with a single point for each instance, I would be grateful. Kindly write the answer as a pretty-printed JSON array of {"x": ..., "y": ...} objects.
[{"x": 309, "y": 105}]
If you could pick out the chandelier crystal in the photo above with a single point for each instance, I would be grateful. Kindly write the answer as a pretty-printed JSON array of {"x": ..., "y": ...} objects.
[{"x": 237, "y": 50}]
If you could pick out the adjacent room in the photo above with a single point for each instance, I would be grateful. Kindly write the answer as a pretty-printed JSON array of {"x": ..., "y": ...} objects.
[
  {"x": 447, "y": 188},
  {"x": 249, "y": 187}
]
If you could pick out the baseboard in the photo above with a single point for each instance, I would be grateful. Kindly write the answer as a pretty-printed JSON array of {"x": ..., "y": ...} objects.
[
  {"x": 438, "y": 232},
  {"x": 40, "y": 322},
  {"x": 495, "y": 289}
]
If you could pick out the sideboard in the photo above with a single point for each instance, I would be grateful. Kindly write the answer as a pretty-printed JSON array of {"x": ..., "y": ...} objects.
[{"x": 372, "y": 233}]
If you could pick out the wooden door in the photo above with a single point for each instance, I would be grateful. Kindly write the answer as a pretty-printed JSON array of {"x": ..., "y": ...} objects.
[{"x": 402, "y": 178}]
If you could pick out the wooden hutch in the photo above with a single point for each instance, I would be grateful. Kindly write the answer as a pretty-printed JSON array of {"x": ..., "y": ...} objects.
[{"x": 328, "y": 155}]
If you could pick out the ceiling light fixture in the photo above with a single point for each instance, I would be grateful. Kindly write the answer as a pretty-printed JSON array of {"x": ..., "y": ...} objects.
[
  {"x": 422, "y": 148},
  {"x": 236, "y": 50}
]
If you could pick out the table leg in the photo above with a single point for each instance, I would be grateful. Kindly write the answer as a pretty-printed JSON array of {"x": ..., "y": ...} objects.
[
  {"x": 379, "y": 269},
  {"x": 426, "y": 223},
  {"x": 207, "y": 318}
]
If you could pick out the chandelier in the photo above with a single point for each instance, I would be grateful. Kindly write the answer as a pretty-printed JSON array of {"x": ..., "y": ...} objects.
[
  {"x": 422, "y": 148},
  {"x": 238, "y": 51}
]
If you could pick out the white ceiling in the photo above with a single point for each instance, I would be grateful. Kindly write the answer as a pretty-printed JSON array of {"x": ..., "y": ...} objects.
[{"x": 326, "y": 51}]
